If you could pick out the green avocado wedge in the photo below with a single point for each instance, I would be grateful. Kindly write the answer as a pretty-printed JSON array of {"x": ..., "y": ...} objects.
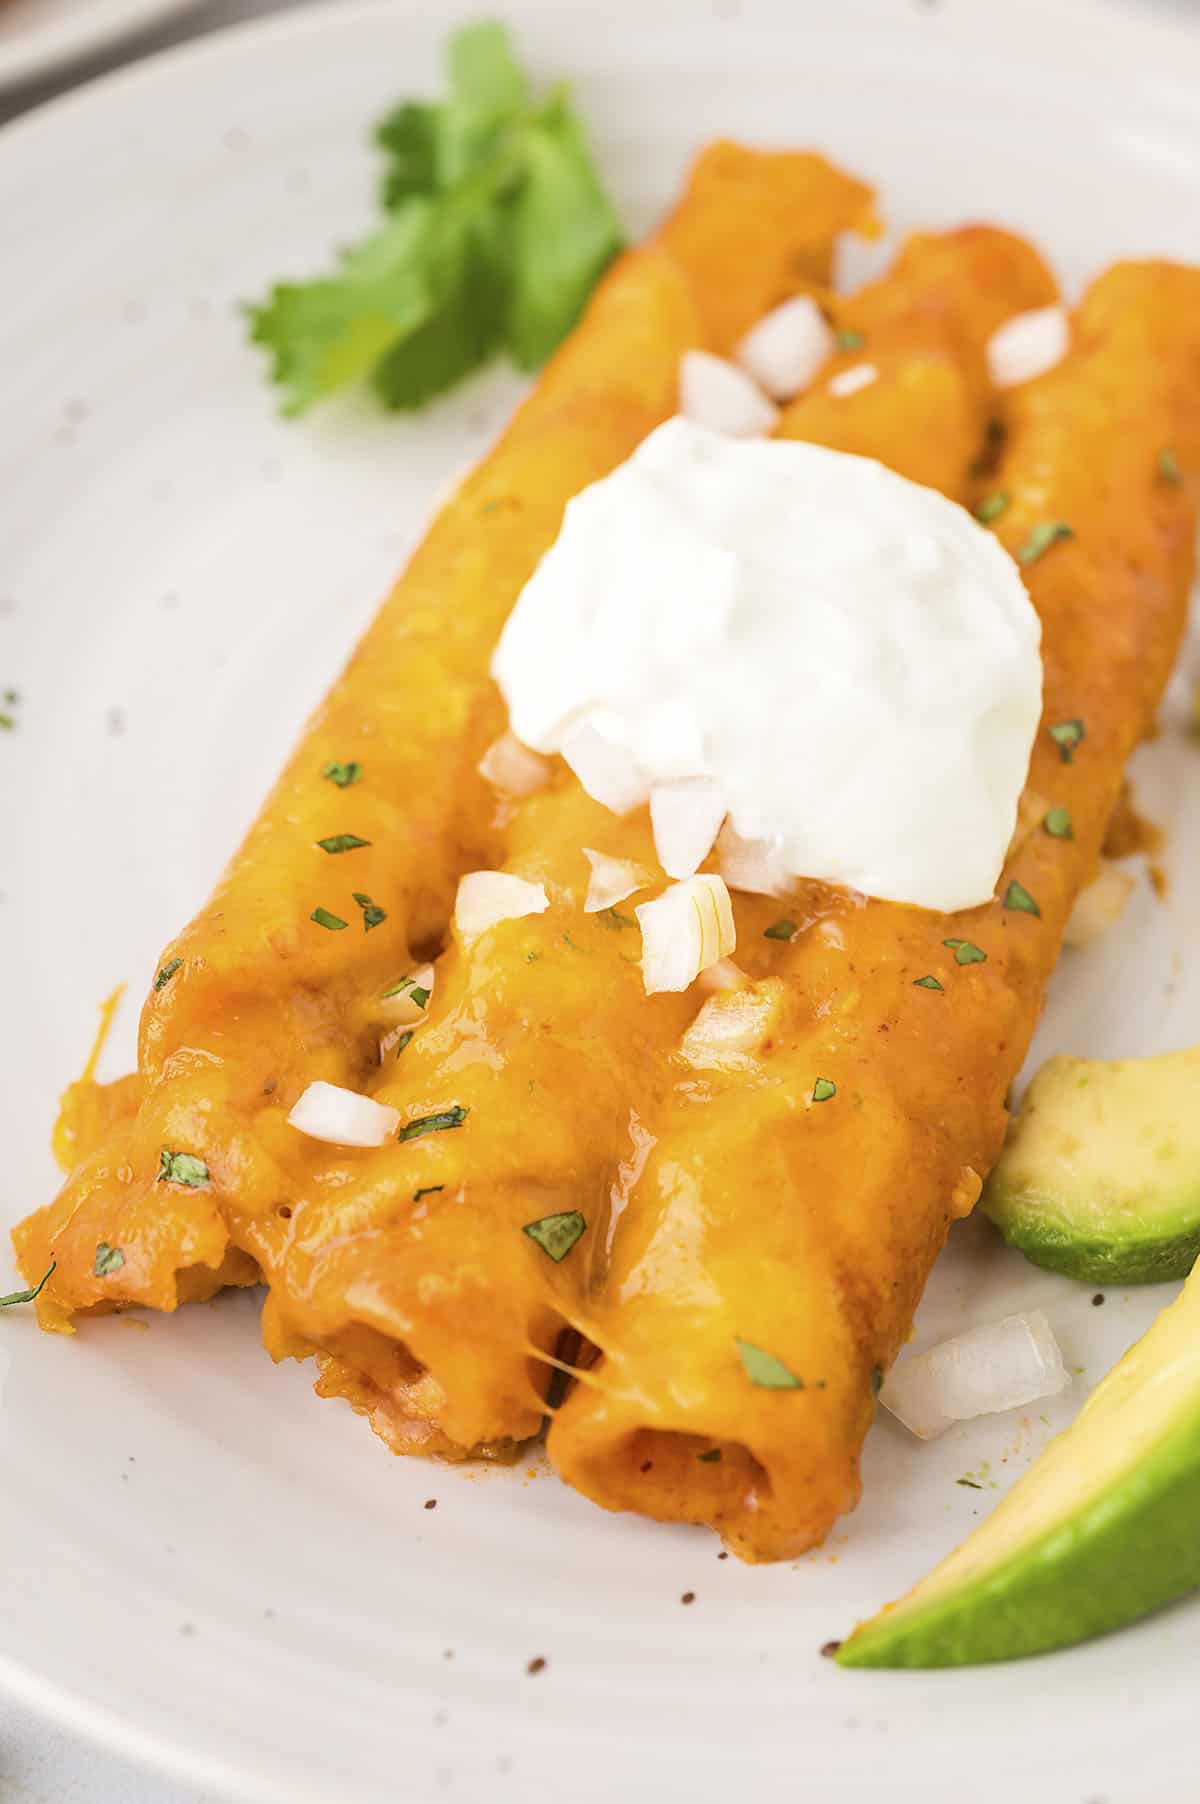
[
  {"x": 1100, "y": 1176},
  {"x": 1104, "y": 1528}
]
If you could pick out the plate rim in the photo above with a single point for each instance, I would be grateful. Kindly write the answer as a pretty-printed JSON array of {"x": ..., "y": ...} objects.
[{"x": 1175, "y": 43}]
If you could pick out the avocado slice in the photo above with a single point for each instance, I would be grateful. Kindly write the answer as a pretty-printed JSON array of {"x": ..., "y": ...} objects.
[
  {"x": 1104, "y": 1528},
  {"x": 1100, "y": 1176}
]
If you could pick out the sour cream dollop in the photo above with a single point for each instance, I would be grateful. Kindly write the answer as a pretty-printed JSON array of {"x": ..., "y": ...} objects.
[{"x": 851, "y": 657}]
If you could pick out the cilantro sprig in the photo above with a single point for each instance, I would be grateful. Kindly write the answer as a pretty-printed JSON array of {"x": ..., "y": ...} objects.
[{"x": 496, "y": 228}]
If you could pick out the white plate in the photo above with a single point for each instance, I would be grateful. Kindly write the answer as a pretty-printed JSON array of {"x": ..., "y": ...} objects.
[
  {"x": 204, "y": 1566},
  {"x": 40, "y": 36}
]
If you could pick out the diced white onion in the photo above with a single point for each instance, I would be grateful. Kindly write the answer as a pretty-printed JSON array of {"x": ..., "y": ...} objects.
[
  {"x": 728, "y": 1028},
  {"x": 848, "y": 382},
  {"x": 406, "y": 1001},
  {"x": 488, "y": 897},
  {"x": 685, "y": 817},
  {"x": 1003, "y": 1365},
  {"x": 606, "y": 770},
  {"x": 1028, "y": 345},
  {"x": 513, "y": 769},
  {"x": 1100, "y": 905},
  {"x": 724, "y": 975},
  {"x": 343, "y": 1117},
  {"x": 787, "y": 347},
  {"x": 612, "y": 879},
  {"x": 718, "y": 395},
  {"x": 753, "y": 865},
  {"x": 684, "y": 931}
]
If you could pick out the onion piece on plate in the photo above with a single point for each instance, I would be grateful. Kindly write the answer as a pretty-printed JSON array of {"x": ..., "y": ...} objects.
[
  {"x": 684, "y": 931},
  {"x": 718, "y": 395},
  {"x": 998, "y": 1366},
  {"x": 407, "y": 1000},
  {"x": 848, "y": 382},
  {"x": 513, "y": 769},
  {"x": 1100, "y": 905},
  {"x": 612, "y": 879},
  {"x": 730, "y": 1026},
  {"x": 343, "y": 1117},
  {"x": 724, "y": 975},
  {"x": 606, "y": 769},
  {"x": 753, "y": 865},
  {"x": 1028, "y": 345},
  {"x": 486, "y": 898},
  {"x": 685, "y": 816},
  {"x": 787, "y": 347}
]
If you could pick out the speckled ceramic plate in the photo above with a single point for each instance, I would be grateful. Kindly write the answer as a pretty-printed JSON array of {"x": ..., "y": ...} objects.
[{"x": 203, "y": 1565}]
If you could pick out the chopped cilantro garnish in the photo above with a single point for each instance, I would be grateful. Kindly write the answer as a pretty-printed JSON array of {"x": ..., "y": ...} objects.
[
  {"x": 824, "y": 1090},
  {"x": 404, "y": 1039},
  {"x": 27, "y": 1296},
  {"x": 966, "y": 952},
  {"x": 182, "y": 1168},
  {"x": 556, "y": 1234},
  {"x": 992, "y": 506},
  {"x": 1058, "y": 824},
  {"x": 970, "y": 1484},
  {"x": 780, "y": 930},
  {"x": 1041, "y": 538},
  {"x": 1017, "y": 897},
  {"x": 415, "y": 991},
  {"x": 167, "y": 973},
  {"x": 495, "y": 230},
  {"x": 764, "y": 1370},
  {"x": 108, "y": 1260},
  {"x": 1168, "y": 465},
  {"x": 372, "y": 913},
  {"x": 1066, "y": 734},
  {"x": 323, "y": 918},
  {"x": 427, "y": 1190},
  {"x": 342, "y": 842},
  {"x": 433, "y": 1124},
  {"x": 7, "y": 723},
  {"x": 927, "y": 983},
  {"x": 850, "y": 340},
  {"x": 344, "y": 774}
]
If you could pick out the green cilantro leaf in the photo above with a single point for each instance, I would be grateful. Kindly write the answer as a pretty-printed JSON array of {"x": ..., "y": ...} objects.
[
  {"x": 556, "y": 1234},
  {"x": 564, "y": 235},
  {"x": 342, "y": 842},
  {"x": 1066, "y": 734},
  {"x": 343, "y": 774},
  {"x": 764, "y": 1370},
  {"x": 780, "y": 930},
  {"x": 496, "y": 229},
  {"x": 27, "y": 1296},
  {"x": 992, "y": 506},
  {"x": 404, "y": 1040},
  {"x": 108, "y": 1260},
  {"x": 966, "y": 952},
  {"x": 927, "y": 983},
  {"x": 167, "y": 973},
  {"x": 372, "y": 913},
  {"x": 824, "y": 1090},
  {"x": 182, "y": 1168},
  {"x": 1041, "y": 538},
  {"x": 849, "y": 340},
  {"x": 1058, "y": 824},
  {"x": 1017, "y": 897},
  {"x": 323, "y": 918},
  {"x": 433, "y": 1124}
]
